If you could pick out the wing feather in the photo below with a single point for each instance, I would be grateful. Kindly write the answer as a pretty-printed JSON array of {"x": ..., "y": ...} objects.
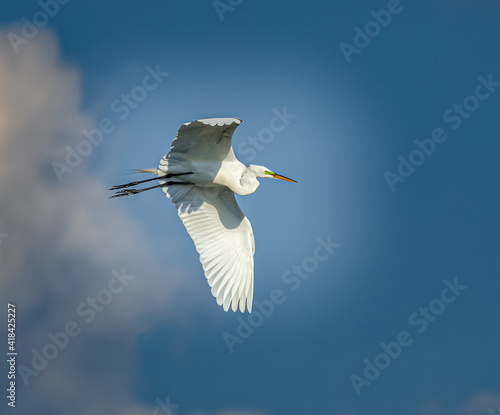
[
  {"x": 224, "y": 239},
  {"x": 205, "y": 139}
]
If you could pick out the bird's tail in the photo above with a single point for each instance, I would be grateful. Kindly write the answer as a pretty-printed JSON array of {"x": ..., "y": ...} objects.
[{"x": 152, "y": 171}]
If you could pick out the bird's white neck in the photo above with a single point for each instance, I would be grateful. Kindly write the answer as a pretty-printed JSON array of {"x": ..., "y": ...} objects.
[{"x": 248, "y": 181}]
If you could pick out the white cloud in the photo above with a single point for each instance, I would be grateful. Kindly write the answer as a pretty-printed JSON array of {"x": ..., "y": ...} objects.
[{"x": 63, "y": 241}]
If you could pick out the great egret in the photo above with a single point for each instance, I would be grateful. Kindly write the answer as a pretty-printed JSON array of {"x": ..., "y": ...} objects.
[{"x": 205, "y": 174}]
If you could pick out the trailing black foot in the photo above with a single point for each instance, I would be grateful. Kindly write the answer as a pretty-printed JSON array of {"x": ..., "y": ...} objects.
[
  {"x": 132, "y": 184},
  {"x": 128, "y": 192}
]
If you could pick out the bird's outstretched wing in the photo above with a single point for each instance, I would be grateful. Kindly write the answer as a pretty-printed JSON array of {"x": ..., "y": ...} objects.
[
  {"x": 206, "y": 139},
  {"x": 224, "y": 239}
]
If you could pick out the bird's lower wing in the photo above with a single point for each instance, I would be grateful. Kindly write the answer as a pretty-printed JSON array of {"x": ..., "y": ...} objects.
[{"x": 224, "y": 239}]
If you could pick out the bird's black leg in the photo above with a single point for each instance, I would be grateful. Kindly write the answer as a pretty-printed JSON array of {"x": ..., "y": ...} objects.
[
  {"x": 131, "y": 184},
  {"x": 128, "y": 192}
]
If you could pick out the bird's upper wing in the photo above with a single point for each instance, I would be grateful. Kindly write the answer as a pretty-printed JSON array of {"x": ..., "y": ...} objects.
[
  {"x": 224, "y": 239},
  {"x": 206, "y": 139}
]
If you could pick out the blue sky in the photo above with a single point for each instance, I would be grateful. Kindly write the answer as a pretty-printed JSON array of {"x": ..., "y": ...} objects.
[{"x": 421, "y": 88}]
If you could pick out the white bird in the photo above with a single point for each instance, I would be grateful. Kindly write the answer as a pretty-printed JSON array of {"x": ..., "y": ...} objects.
[{"x": 206, "y": 174}]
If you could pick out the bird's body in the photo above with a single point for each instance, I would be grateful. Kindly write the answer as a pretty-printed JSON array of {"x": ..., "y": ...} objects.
[{"x": 201, "y": 174}]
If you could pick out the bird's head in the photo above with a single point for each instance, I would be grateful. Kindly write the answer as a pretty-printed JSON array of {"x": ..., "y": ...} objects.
[{"x": 261, "y": 171}]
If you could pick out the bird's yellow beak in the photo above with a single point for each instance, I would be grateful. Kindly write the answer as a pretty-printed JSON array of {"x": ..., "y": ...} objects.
[{"x": 286, "y": 179}]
